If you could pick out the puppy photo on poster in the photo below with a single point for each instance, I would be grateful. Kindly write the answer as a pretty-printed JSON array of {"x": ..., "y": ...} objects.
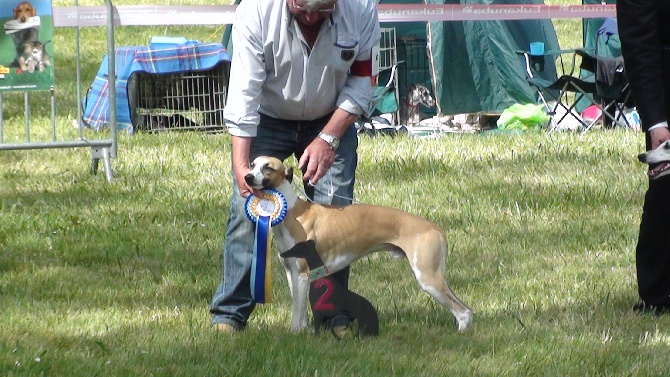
[{"x": 26, "y": 49}]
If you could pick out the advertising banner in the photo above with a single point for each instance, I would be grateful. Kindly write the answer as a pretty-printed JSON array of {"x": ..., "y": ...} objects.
[{"x": 26, "y": 50}]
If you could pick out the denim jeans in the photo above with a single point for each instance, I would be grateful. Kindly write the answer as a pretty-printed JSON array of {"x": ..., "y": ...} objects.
[{"x": 232, "y": 303}]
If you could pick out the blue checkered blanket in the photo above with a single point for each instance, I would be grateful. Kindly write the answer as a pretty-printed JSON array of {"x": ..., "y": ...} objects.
[{"x": 157, "y": 58}]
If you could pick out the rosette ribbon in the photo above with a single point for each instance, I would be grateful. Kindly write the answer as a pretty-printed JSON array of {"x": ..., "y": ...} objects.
[{"x": 265, "y": 211}]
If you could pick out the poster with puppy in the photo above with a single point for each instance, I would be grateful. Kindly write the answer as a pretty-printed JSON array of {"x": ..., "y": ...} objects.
[{"x": 26, "y": 49}]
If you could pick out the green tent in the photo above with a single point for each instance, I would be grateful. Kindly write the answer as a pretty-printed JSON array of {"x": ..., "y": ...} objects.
[
  {"x": 471, "y": 66},
  {"x": 590, "y": 26},
  {"x": 476, "y": 67}
]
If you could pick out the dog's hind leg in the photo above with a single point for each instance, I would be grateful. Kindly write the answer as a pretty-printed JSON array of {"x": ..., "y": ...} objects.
[
  {"x": 438, "y": 287},
  {"x": 429, "y": 272}
]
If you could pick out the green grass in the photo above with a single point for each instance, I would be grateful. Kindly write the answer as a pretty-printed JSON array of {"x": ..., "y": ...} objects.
[{"x": 101, "y": 279}]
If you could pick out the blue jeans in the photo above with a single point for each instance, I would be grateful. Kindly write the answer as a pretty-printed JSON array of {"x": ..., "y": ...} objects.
[{"x": 232, "y": 303}]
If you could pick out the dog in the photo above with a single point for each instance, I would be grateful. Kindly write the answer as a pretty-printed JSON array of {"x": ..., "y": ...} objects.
[
  {"x": 658, "y": 160},
  {"x": 416, "y": 95},
  {"x": 23, "y": 13},
  {"x": 34, "y": 57},
  {"x": 344, "y": 234}
]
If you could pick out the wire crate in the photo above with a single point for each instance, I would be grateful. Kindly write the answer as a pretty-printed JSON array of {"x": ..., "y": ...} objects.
[
  {"x": 387, "y": 49},
  {"x": 388, "y": 58},
  {"x": 183, "y": 101},
  {"x": 416, "y": 70}
]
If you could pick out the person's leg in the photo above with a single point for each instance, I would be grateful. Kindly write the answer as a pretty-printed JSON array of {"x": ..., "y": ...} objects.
[
  {"x": 232, "y": 303},
  {"x": 337, "y": 186},
  {"x": 652, "y": 254}
]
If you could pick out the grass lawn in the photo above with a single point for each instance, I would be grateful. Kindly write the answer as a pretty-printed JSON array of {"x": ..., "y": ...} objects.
[{"x": 100, "y": 279}]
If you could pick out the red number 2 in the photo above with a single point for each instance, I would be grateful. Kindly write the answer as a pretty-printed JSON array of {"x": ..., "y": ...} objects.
[{"x": 322, "y": 303}]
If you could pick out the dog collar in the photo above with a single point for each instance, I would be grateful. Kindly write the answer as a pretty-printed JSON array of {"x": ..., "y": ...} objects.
[
  {"x": 318, "y": 273},
  {"x": 271, "y": 203}
]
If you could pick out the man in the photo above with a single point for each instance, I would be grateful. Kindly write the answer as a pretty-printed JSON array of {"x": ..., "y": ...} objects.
[
  {"x": 302, "y": 71},
  {"x": 645, "y": 45}
]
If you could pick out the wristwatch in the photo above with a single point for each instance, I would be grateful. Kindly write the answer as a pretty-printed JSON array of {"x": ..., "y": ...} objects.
[{"x": 333, "y": 141}]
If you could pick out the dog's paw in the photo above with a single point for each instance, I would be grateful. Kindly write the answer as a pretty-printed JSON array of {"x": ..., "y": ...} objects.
[{"x": 464, "y": 320}]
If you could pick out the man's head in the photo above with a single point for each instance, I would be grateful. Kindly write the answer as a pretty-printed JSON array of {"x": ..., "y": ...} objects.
[{"x": 309, "y": 12}]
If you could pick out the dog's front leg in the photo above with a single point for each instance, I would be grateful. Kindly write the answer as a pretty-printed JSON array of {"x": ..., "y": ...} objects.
[
  {"x": 296, "y": 283},
  {"x": 299, "y": 314}
]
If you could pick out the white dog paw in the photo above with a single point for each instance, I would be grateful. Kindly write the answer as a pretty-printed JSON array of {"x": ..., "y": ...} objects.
[{"x": 464, "y": 320}]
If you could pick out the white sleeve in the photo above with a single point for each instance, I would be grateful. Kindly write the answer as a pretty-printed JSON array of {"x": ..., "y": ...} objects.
[
  {"x": 247, "y": 72},
  {"x": 358, "y": 90}
]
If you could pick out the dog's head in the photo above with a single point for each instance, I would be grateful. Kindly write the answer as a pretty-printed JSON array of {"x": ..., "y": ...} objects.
[
  {"x": 658, "y": 159},
  {"x": 24, "y": 11},
  {"x": 419, "y": 94},
  {"x": 267, "y": 172}
]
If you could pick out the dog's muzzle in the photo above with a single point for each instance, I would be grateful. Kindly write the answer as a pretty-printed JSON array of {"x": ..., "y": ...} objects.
[{"x": 250, "y": 178}]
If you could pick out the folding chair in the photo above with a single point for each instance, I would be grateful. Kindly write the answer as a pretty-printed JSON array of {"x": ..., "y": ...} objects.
[
  {"x": 564, "y": 91},
  {"x": 606, "y": 68},
  {"x": 612, "y": 94}
]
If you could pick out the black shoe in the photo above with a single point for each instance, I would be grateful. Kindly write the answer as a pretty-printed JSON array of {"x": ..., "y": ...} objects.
[
  {"x": 340, "y": 326},
  {"x": 644, "y": 308}
]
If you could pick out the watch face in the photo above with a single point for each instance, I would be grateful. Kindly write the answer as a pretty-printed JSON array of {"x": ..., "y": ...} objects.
[{"x": 330, "y": 139}]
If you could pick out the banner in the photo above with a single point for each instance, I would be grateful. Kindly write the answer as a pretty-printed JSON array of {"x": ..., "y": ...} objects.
[
  {"x": 26, "y": 50},
  {"x": 129, "y": 15}
]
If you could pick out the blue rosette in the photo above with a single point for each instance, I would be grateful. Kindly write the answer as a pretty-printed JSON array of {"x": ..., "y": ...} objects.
[
  {"x": 272, "y": 204},
  {"x": 265, "y": 211}
]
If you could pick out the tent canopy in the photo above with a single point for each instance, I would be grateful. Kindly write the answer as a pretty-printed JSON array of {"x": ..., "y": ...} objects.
[{"x": 471, "y": 66}]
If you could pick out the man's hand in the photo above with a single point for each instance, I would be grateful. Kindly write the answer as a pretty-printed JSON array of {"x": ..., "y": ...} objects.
[
  {"x": 658, "y": 135},
  {"x": 315, "y": 161},
  {"x": 240, "y": 162},
  {"x": 239, "y": 172}
]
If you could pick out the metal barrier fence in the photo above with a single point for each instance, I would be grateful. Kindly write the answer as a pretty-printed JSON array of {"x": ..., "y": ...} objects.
[{"x": 101, "y": 149}]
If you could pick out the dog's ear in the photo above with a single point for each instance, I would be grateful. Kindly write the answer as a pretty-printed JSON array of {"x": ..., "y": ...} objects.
[
  {"x": 34, "y": 13},
  {"x": 288, "y": 174}
]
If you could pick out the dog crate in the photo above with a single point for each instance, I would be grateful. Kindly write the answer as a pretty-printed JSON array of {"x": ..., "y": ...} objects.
[
  {"x": 388, "y": 58},
  {"x": 182, "y": 101},
  {"x": 416, "y": 69}
]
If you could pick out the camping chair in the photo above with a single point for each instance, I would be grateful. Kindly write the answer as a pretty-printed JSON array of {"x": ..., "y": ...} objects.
[
  {"x": 612, "y": 94},
  {"x": 606, "y": 68},
  {"x": 559, "y": 94}
]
